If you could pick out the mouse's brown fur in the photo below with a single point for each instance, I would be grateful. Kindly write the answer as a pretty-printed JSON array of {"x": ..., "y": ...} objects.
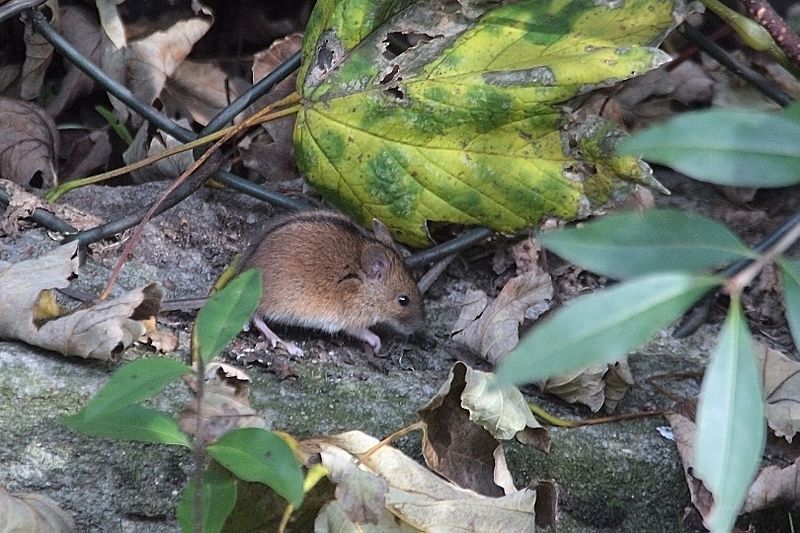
[{"x": 320, "y": 270}]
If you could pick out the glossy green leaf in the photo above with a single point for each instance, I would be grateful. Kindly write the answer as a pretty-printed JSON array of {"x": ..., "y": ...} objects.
[
  {"x": 467, "y": 126},
  {"x": 603, "y": 326},
  {"x": 741, "y": 148},
  {"x": 132, "y": 422},
  {"x": 790, "y": 282},
  {"x": 254, "y": 454},
  {"x": 132, "y": 383},
  {"x": 226, "y": 313},
  {"x": 730, "y": 421},
  {"x": 658, "y": 240},
  {"x": 219, "y": 497}
]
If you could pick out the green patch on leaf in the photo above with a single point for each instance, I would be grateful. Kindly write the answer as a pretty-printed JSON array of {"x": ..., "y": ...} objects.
[
  {"x": 736, "y": 147},
  {"x": 467, "y": 125},
  {"x": 218, "y": 499},
  {"x": 730, "y": 421},
  {"x": 132, "y": 422},
  {"x": 659, "y": 240},
  {"x": 132, "y": 383},
  {"x": 254, "y": 454},
  {"x": 790, "y": 283},
  {"x": 226, "y": 313},
  {"x": 602, "y": 327}
]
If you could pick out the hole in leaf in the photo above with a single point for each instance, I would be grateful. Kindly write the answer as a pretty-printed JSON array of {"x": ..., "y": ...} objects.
[
  {"x": 390, "y": 75},
  {"x": 397, "y": 42},
  {"x": 37, "y": 181},
  {"x": 325, "y": 55},
  {"x": 395, "y": 92}
]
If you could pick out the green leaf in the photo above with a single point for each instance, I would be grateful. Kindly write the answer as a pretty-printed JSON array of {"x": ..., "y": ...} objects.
[
  {"x": 730, "y": 421},
  {"x": 254, "y": 454},
  {"x": 658, "y": 240},
  {"x": 132, "y": 383},
  {"x": 226, "y": 313},
  {"x": 132, "y": 422},
  {"x": 602, "y": 327},
  {"x": 736, "y": 147},
  {"x": 790, "y": 282},
  {"x": 219, "y": 497},
  {"x": 467, "y": 126}
]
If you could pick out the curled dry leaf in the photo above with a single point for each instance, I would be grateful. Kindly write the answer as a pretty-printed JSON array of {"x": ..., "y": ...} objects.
[
  {"x": 79, "y": 28},
  {"x": 226, "y": 403},
  {"x": 32, "y": 512},
  {"x": 415, "y": 496},
  {"x": 102, "y": 331},
  {"x": 464, "y": 423},
  {"x": 200, "y": 90},
  {"x": 143, "y": 147},
  {"x": 162, "y": 341},
  {"x": 781, "y": 389},
  {"x": 360, "y": 493},
  {"x": 21, "y": 204},
  {"x": 273, "y": 157},
  {"x": 772, "y": 486},
  {"x": 491, "y": 329},
  {"x": 84, "y": 152},
  {"x": 595, "y": 386},
  {"x": 38, "y": 54},
  {"x": 28, "y": 144},
  {"x": 151, "y": 60}
]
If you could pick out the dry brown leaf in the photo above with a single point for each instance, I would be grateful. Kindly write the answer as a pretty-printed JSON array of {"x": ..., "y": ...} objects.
[
  {"x": 584, "y": 386},
  {"x": 683, "y": 433},
  {"x": 151, "y": 60},
  {"x": 28, "y": 144},
  {"x": 32, "y": 512},
  {"x": 111, "y": 21},
  {"x": 143, "y": 147},
  {"x": 85, "y": 152},
  {"x": 160, "y": 340},
  {"x": 421, "y": 499},
  {"x": 200, "y": 90},
  {"x": 491, "y": 329},
  {"x": 359, "y": 493},
  {"x": 38, "y": 54},
  {"x": 463, "y": 423},
  {"x": 272, "y": 157},
  {"x": 618, "y": 380},
  {"x": 772, "y": 486},
  {"x": 102, "y": 331},
  {"x": 595, "y": 386},
  {"x": 226, "y": 403},
  {"x": 781, "y": 387},
  {"x": 21, "y": 204},
  {"x": 266, "y": 61},
  {"x": 332, "y": 518},
  {"x": 79, "y": 27},
  {"x": 9, "y": 76}
]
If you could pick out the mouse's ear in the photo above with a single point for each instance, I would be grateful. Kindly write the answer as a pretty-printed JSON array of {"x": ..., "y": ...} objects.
[
  {"x": 382, "y": 233},
  {"x": 375, "y": 261}
]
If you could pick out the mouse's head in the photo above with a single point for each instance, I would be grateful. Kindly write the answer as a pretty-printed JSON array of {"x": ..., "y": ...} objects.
[{"x": 389, "y": 288}]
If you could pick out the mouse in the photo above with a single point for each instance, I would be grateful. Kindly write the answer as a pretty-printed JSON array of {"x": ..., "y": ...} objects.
[{"x": 320, "y": 270}]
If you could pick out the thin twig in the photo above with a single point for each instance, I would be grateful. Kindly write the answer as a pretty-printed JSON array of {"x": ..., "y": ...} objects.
[
  {"x": 737, "y": 283},
  {"x": 737, "y": 67},
  {"x": 255, "y": 119}
]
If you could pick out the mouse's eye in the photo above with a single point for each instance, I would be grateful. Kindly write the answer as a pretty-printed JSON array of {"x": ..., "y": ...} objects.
[{"x": 403, "y": 300}]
